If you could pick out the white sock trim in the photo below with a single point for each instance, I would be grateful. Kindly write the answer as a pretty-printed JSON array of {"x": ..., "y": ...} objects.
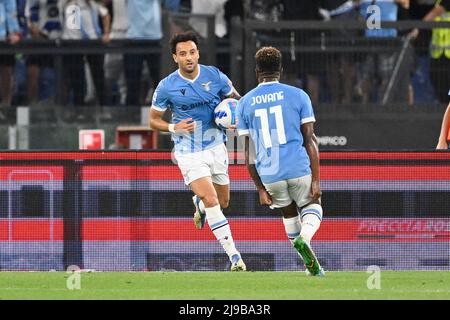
[
  {"x": 292, "y": 227},
  {"x": 314, "y": 208}
]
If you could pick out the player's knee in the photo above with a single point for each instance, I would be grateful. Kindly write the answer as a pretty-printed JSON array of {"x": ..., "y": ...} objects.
[
  {"x": 314, "y": 208},
  {"x": 210, "y": 200}
]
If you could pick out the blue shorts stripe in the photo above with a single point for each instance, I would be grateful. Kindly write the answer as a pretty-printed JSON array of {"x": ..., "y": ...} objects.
[{"x": 293, "y": 234}]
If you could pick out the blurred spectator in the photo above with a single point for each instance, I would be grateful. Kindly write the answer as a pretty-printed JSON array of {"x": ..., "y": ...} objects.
[
  {"x": 377, "y": 67},
  {"x": 440, "y": 52},
  {"x": 89, "y": 29},
  {"x": 211, "y": 7},
  {"x": 20, "y": 76},
  {"x": 10, "y": 32},
  {"x": 21, "y": 17},
  {"x": 233, "y": 8},
  {"x": 44, "y": 22},
  {"x": 172, "y": 5},
  {"x": 185, "y": 6},
  {"x": 144, "y": 23},
  {"x": 341, "y": 68},
  {"x": 114, "y": 69},
  {"x": 407, "y": 61},
  {"x": 422, "y": 87},
  {"x": 264, "y": 10},
  {"x": 311, "y": 64}
]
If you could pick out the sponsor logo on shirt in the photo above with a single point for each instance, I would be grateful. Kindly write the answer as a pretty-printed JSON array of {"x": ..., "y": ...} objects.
[{"x": 206, "y": 85}]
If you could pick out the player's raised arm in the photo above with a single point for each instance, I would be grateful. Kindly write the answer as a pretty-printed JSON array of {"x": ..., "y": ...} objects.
[{"x": 310, "y": 142}]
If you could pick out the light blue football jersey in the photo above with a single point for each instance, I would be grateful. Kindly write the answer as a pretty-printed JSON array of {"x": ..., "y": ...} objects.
[
  {"x": 272, "y": 114},
  {"x": 194, "y": 99}
]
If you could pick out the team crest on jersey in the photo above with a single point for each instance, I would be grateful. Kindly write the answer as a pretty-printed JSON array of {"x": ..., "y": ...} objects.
[{"x": 206, "y": 85}]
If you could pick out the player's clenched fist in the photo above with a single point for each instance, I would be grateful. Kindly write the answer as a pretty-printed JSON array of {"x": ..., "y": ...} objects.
[
  {"x": 264, "y": 197},
  {"x": 315, "y": 190}
]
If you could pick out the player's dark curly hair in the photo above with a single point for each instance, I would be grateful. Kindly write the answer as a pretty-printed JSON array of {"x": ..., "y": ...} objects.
[
  {"x": 182, "y": 37},
  {"x": 268, "y": 60}
]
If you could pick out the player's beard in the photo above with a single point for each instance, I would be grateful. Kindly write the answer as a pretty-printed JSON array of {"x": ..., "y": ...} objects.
[{"x": 190, "y": 69}]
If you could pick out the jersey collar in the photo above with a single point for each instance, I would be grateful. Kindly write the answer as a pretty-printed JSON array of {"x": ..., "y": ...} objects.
[
  {"x": 265, "y": 83},
  {"x": 190, "y": 80}
]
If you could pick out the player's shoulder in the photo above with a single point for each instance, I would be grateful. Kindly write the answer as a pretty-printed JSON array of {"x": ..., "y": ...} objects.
[
  {"x": 296, "y": 92},
  {"x": 173, "y": 77},
  {"x": 210, "y": 71},
  {"x": 248, "y": 96},
  {"x": 169, "y": 81},
  {"x": 289, "y": 91},
  {"x": 291, "y": 88},
  {"x": 209, "y": 68}
]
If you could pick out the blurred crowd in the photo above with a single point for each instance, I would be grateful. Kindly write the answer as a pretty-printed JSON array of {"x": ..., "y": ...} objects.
[
  {"x": 409, "y": 70},
  {"x": 128, "y": 79},
  {"x": 88, "y": 78}
]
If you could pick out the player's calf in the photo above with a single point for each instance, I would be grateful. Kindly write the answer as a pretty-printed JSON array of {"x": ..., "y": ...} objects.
[{"x": 311, "y": 217}]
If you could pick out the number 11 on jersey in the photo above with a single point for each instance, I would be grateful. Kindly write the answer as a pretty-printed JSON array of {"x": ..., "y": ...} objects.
[{"x": 264, "y": 117}]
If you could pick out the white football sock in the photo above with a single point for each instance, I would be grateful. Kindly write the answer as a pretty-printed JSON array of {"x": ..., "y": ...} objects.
[
  {"x": 310, "y": 218},
  {"x": 292, "y": 227},
  {"x": 310, "y": 225},
  {"x": 221, "y": 229}
]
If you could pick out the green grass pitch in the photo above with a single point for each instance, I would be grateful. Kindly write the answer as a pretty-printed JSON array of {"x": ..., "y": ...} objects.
[{"x": 224, "y": 285}]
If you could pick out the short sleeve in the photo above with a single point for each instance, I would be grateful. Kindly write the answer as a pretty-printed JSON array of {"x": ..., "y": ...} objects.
[
  {"x": 226, "y": 86},
  {"x": 306, "y": 109},
  {"x": 242, "y": 126},
  {"x": 160, "y": 99}
]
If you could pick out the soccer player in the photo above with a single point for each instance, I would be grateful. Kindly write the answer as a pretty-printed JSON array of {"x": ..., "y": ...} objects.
[
  {"x": 281, "y": 152},
  {"x": 191, "y": 93},
  {"x": 444, "y": 136}
]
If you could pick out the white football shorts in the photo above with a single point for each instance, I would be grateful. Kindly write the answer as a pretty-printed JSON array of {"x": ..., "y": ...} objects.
[
  {"x": 285, "y": 191},
  {"x": 206, "y": 163}
]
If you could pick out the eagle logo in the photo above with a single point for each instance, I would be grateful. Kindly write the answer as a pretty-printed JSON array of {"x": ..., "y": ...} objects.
[{"x": 206, "y": 85}]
